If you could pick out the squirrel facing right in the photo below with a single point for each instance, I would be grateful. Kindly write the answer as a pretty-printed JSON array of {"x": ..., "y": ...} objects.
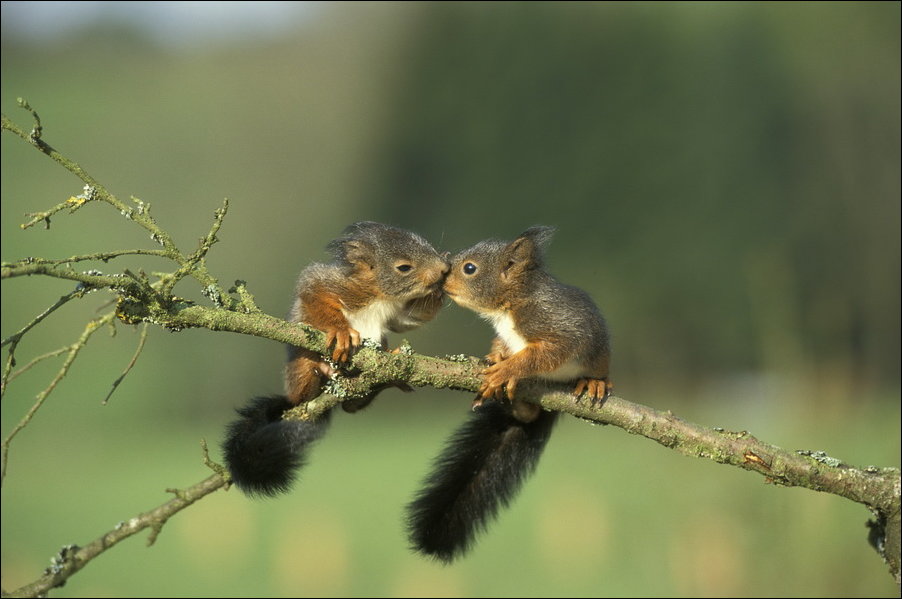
[{"x": 545, "y": 330}]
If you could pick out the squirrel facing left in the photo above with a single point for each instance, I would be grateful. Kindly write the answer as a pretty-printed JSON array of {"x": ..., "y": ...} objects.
[
  {"x": 381, "y": 279},
  {"x": 544, "y": 330}
]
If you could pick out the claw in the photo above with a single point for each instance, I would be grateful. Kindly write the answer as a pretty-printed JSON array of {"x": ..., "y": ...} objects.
[
  {"x": 496, "y": 384},
  {"x": 510, "y": 387},
  {"x": 597, "y": 390},
  {"x": 344, "y": 340},
  {"x": 494, "y": 357}
]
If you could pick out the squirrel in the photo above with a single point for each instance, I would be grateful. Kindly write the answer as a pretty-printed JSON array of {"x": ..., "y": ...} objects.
[
  {"x": 381, "y": 279},
  {"x": 544, "y": 330}
]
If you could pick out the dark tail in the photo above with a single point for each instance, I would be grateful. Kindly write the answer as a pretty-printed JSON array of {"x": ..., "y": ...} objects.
[
  {"x": 480, "y": 470},
  {"x": 264, "y": 452}
]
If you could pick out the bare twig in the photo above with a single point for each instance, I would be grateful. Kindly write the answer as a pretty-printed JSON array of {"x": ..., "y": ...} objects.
[
  {"x": 99, "y": 256},
  {"x": 13, "y": 340},
  {"x": 73, "y": 558},
  {"x": 38, "y": 359},
  {"x": 195, "y": 260},
  {"x": 131, "y": 364},
  {"x": 94, "y": 191},
  {"x": 73, "y": 350}
]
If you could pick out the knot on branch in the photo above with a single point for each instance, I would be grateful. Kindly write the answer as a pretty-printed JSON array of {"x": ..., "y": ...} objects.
[{"x": 62, "y": 560}]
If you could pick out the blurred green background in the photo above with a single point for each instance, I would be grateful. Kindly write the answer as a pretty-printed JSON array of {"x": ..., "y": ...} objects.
[{"x": 725, "y": 179}]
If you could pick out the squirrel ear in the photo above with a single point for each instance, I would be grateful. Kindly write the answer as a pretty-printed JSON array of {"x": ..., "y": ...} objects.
[
  {"x": 540, "y": 236},
  {"x": 526, "y": 250},
  {"x": 358, "y": 252},
  {"x": 362, "y": 228},
  {"x": 351, "y": 251}
]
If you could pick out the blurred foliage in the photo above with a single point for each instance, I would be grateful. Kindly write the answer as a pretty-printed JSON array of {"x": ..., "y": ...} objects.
[
  {"x": 731, "y": 172},
  {"x": 726, "y": 183}
]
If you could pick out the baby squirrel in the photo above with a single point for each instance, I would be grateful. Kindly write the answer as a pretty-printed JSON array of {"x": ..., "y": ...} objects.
[
  {"x": 545, "y": 330},
  {"x": 381, "y": 279}
]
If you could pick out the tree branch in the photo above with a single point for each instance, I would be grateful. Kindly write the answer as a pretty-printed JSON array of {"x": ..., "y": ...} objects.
[
  {"x": 72, "y": 558},
  {"x": 877, "y": 488},
  {"x": 94, "y": 191}
]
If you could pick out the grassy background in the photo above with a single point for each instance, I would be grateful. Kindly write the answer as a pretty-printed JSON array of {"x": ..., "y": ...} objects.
[{"x": 725, "y": 179}]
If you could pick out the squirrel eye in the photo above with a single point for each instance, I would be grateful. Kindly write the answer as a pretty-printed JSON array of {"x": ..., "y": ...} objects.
[
  {"x": 469, "y": 268},
  {"x": 404, "y": 267}
]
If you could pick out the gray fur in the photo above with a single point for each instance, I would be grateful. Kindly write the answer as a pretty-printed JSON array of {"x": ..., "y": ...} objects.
[{"x": 507, "y": 270}]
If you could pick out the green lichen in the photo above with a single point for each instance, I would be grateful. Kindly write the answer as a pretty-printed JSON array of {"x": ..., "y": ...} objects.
[
  {"x": 405, "y": 348},
  {"x": 371, "y": 343},
  {"x": 457, "y": 358},
  {"x": 822, "y": 457}
]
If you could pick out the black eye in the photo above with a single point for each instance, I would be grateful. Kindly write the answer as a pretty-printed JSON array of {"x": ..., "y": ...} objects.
[
  {"x": 404, "y": 267},
  {"x": 470, "y": 268}
]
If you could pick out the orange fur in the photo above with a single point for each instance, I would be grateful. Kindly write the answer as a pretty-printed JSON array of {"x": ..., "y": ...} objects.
[
  {"x": 323, "y": 310},
  {"x": 304, "y": 375}
]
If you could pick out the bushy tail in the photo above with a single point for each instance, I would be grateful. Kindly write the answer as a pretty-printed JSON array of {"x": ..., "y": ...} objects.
[
  {"x": 480, "y": 470},
  {"x": 264, "y": 452}
]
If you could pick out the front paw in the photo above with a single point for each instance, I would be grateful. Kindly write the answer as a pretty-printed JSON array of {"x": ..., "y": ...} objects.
[
  {"x": 345, "y": 341},
  {"x": 494, "y": 357},
  {"x": 497, "y": 383}
]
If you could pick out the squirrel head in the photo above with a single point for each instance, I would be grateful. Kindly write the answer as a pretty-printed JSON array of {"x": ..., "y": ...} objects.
[
  {"x": 399, "y": 264},
  {"x": 491, "y": 274}
]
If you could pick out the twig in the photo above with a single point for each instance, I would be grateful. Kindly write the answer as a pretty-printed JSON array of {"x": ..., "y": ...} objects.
[
  {"x": 192, "y": 262},
  {"x": 91, "y": 328},
  {"x": 57, "y": 304},
  {"x": 73, "y": 558},
  {"x": 95, "y": 191},
  {"x": 141, "y": 341},
  {"x": 99, "y": 256},
  {"x": 246, "y": 301},
  {"x": 35, "y": 361},
  {"x": 13, "y": 340}
]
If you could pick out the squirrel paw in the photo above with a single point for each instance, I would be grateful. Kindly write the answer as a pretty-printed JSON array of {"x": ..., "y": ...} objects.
[
  {"x": 345, "y": 341},
  {"x": 597, "y": 390},
  {"x": 497, "y": 384},
  {"x": 494, "y": 357}
]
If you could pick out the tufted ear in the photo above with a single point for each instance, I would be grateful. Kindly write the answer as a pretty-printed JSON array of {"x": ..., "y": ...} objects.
[
  {"x": 359, "y": 253},
  {"x": 526, "y": 251},
  {"x": 354, "y": 247}
]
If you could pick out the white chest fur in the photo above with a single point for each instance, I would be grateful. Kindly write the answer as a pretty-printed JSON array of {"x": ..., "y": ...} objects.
[
  {"x": 372, "y": 322},
  {"x": 506, "y": 331}
]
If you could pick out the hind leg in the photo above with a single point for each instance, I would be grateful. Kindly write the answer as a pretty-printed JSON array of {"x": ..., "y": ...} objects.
[
  {"x": 597, "y": 390},
  {"x": 304, "y": 375},
  {"x": 597, "y": 386}
]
